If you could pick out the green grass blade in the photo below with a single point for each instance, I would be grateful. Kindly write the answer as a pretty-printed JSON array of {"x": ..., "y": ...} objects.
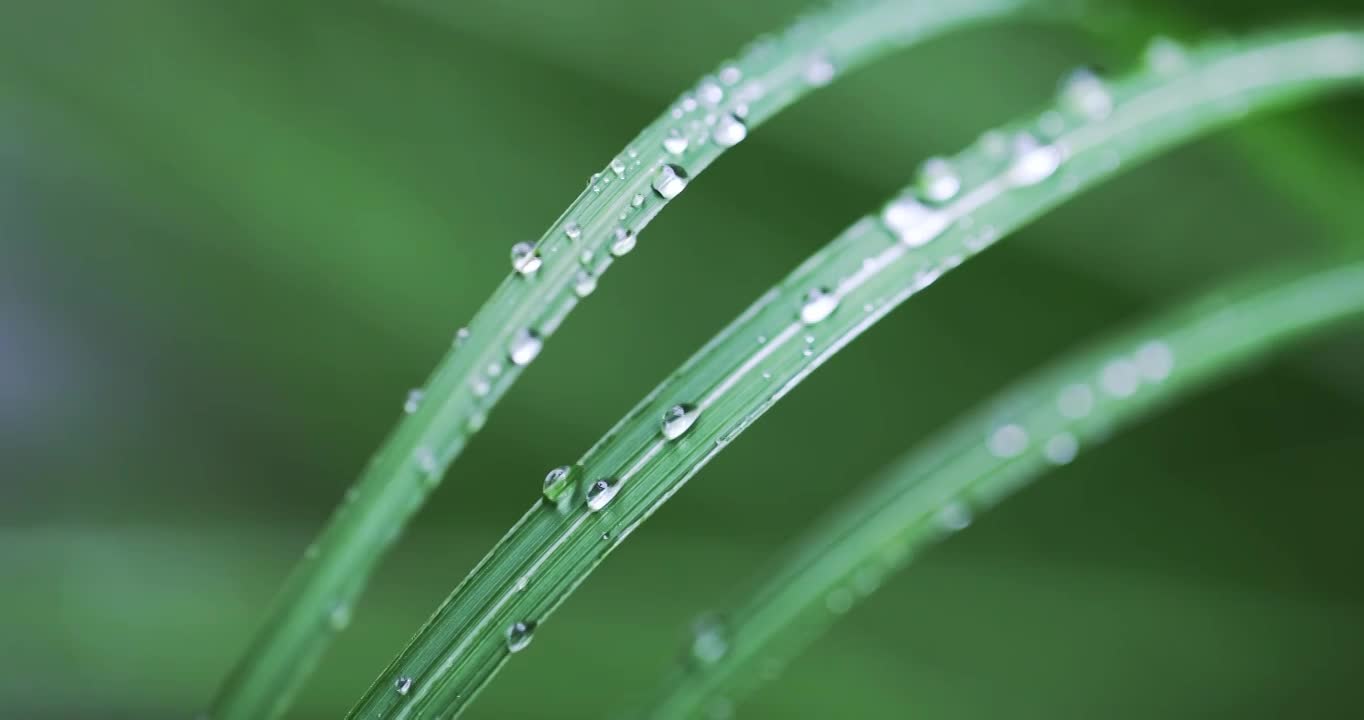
[
  {"x": 510, "y": 328},
  {"x": 1038, "y": 423},
  {"x": 1011, "y": 177}
]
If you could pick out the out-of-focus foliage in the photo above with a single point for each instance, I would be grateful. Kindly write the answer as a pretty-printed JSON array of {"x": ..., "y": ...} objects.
[{"x": 232, "y": 236}]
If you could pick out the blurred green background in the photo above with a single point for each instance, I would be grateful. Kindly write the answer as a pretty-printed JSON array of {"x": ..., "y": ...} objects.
[{"x": 232, "y": 235}]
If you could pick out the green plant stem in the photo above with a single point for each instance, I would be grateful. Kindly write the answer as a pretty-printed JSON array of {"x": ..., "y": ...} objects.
[
  {"x": 509, "y": 329},
  {"x": 1011, "y": 177},
  {"x": 1037, "y": 424}
]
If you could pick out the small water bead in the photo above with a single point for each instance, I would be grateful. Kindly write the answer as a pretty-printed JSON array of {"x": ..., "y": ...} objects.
[
  {"x": 525, "y": 345},
  {"x": 339, "y": 617},
  {"x": 1061, "y": 449},
  {"x": 1120, "y": 378},
  {"x": 403, "y": 685},
  {"x": 817, "y": 305},
  {"x": 557, "y": 477},
  {"x": 413, "y": 401},
  {"x": 1008, "y": 441},
  {"x": 1033, "y": 162},
  {"x": 914, "y": 223},
  {"x": 618, "y": 167},
  {"x": 525, "y": 260},
  {"x": 670, "y": 181},
  {"x": 1085, "y": 93},
  {"x": 600, "y": 492},
  {"x": 1155, "y": 361},
  {"x": 731, "y": 75},
  {"x": 475, "y": 422},
  {"x": 938, "y": 181},
  {"x": 461, "y": 335},
  {"x": 584, "y": 284},
  {"x": 1075, "y": 401},
  {"x": 678, "y": 419},
  {"x": 819, "y": 71},
  {"x": 709, "y": 642},
  {"x": 519, "y": 636},
  {"x": 954, "y": 516},
  {"x": 710, "y": 93},
  {"x": 675, "y": 142},
  {"x": 994, "y": 143},
  {"x": 729, "y": 131},
  {"x": 573, "y": 230},
  {"x": 1165, "y": 55},
  {"x": 637, "y": 200},
  {"x": 623, "y": 243},
  {"x": 426, "y": 460}
]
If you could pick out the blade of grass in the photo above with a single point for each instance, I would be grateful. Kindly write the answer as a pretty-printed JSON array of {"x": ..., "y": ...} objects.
[
  {"x": 1011, "y": 177},
  {"x": 547, "y": 282},
  {"x": 1040, "y": 422}
]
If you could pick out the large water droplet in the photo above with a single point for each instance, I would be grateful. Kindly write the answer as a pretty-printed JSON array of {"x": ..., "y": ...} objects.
[
  {"x": 519, "y": 636},
  {"x": 618, "y": 167},
  {"x": 1085, "y": 93},
  {"x": 525, "y": 259},
  {"x": 584, "y": 284},
  {"x": 1033, "y": 162},
  {"x": 709, "y": 642},
  {"x": 819, "y": 71},
  {"x": 817, "y": 305},
  {"x": 413, "y": 400},
  {"x": 675, "y": 142},
  {"x": 402, "y": 685},
  {"x": 729, "y": 131},
  {"x": 623, "y": 242},
  {"x": 1061, "y": 449},
  {"x": 938, "y": 181},
  {"x": 913, "y": 222},
  {"x": 670, "y": 181},
  {"x": 1008, "y": 441},
  {"x": 955, "y": 516},
  {"x": 1155, "y": 361},
  {"x": 1075, "y": 401},
  {"x": 557, "y": 483},
  {"x": 678, "y": 419},
  {"x": 525, "y": 345},
  {"x": 600, "y": 492}
]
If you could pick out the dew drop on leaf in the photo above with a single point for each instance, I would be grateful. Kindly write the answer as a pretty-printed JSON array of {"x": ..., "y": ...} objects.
[
  {"x": 670, "y": 181},
  {"x": 403, "y": 685},
  {"x": 938, "y": 181},
  {"x": 709, "y": 642},
  {"x": 584, "y": 284},
  {"x": 914, "y": 223},
  {"x": 519, "y": 636},
  {"x": 1061, "y": 449},
  {"x": 1085, "y": 93},
  {"x": 623, "y": 243},
  {"x": 525, "y": 345},
  {"x": 729, "y": 131},
  {"x": 1032, "y": 161},
  {"x": 600, "y": 492},
  {"x": 817, "y": 305},
  {"x": 1008, "y": 441},
  {"x": 675, "y": 142},
  {"x": 678, "y": 419},
  {"x": 525, "y": 260},
  {"x": 413, "y": 400}
]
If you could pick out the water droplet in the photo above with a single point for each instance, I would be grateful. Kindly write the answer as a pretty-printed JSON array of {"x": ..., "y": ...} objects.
[
  {"x": 1033, "y": 162},
  {"x": 678, "y": 419},
  {"x": 710, "y": 93},
  {"x": 480, "y": 386},
  {"x": 938, "y": 181},
  {"x": 994, "y": 143},
  {"x": 1085, "y": 93},
  {"x": 1155, "y": 360},
  {"x": 623, "y": 243},
  {"x": 525, "y": 259},
  {"x": 585, "y": 283},
  {"x": 426, "y": 460},
  {"x": 525, "y": 345},
  {"x": 1008, "y": 441},
  {"x": 914, "y": 223},
  {"x": 675, "y": 142},
  {"x": 955, "y": 516},
  {"x": 819, "y": 71},
  {"x": 600, "y": 492},
  {"x": 475, "y": 422},
  {"x": 402, "y": 685},
  {"x": 494, "y": 369},
  {"x": 709, "y": 643},
  {"x": 461, "y": 335},
  {"x": 339, "y": 617},
  {"x": 573, "y": 230},
  {"x": 558, "y": 487},
  {"x": 557, "y": 477},
  {"x": 1061, "y": 449},
  {"x": 413, "y": 401},
  {"x": 1165, "y": 55},
  {"x": 637, "y": 200},
  {"x": 1120, "y": 378},
  {"x": 729, "y": 131},
  {"x": 670, "y": 181},
  {"x": 618, "y": 167},
  {"x": 731, "y": 75},
  {"x": 817, "y": 305},
  {"x": 1075, "y": 401},
  {"x": 519, "y": 636}
]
